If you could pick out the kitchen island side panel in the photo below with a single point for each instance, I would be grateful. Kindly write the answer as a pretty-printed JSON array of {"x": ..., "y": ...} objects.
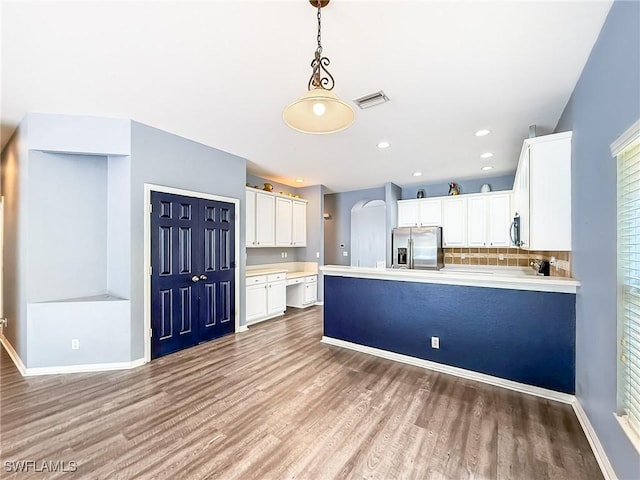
[{"x": 519, "y": 335}]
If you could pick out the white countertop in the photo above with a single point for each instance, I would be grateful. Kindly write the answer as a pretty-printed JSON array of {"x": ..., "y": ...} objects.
[
  {"x": 512, "y": 278},
  {"x": 291, "y": 275},
  {"x": 269, "y": 271},
  {"x": 266, "y": 271}
]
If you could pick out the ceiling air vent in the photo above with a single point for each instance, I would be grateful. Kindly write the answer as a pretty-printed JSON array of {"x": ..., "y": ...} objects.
[{"x": 371, "y": 100}]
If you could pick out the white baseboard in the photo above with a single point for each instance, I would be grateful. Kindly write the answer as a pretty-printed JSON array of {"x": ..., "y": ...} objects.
[
  {"x": 93, "y": 367},
  {"x": 14, "y": 355},
  {"x": 242, "y": 328},
  {"x": 320, "y": 304},
  {"x": 279, "y": 314},
  {"x": 596, "y": 446},
  {"x": 458, "y": 372}
]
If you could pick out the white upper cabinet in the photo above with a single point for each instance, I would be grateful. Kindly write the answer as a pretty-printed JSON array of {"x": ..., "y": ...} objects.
[
  {"x": 299, "y": 224},
  {"x": 477, "y": 221},
  {"x": 542, "y": 192},
  {"x": 275, "y": 221},
  {"x": 284, "y": 221},
  {"x": 265, "y": 220},
  {"x": 489, "y": 220},
  {"x": 498, "y": 220},
  {"x": 421, "y": 212},
  {"x": 454, "y": 221},
  {"x": 408, "y": 213},
  {"x": 250, "y": 220}
]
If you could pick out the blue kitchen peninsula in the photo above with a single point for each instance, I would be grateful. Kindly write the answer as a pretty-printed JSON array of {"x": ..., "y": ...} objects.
[{"x": 501, "y": 323}]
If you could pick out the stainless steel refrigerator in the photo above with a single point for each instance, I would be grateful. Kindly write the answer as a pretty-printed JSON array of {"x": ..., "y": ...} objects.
[{"x": 417, "y": 247}]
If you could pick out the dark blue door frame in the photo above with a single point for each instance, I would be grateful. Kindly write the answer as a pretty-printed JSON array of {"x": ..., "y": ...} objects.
[{"x": 193, "y": 274}]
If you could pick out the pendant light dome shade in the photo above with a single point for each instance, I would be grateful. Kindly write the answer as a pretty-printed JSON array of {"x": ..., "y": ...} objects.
[{"x": 319, "y": 111}]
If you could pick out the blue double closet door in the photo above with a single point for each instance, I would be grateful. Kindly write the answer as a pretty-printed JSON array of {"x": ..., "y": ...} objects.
[{"x": 192, "y": 271}]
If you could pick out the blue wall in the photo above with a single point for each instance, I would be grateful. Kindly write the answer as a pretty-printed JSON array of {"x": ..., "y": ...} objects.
[
  {"x": 524, "y": 336},
  {"x": 605, "y": 102}
]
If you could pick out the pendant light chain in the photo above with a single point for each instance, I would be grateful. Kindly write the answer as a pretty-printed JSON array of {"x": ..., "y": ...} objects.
[
  {"x": 320, "y": 77},
  {"x": 319, "y": 29}
]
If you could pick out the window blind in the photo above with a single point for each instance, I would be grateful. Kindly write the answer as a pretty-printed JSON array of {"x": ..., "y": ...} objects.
[{"x": 628, "y": 169}]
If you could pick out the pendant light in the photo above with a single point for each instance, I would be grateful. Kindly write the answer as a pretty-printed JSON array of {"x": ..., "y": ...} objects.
[{"x": 319, "y": 110}]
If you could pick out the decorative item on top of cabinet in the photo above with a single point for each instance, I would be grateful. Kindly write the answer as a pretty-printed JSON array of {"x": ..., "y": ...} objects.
[
  {"x": 454, "y": 189},
  {"x": 268, "y": 187},
  {"x": 420, "y": 193}
]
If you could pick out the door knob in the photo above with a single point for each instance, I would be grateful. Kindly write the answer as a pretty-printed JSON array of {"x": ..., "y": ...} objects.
[
  {"x": 203, "y": 277},
  {"x": 195, "y": 278}
]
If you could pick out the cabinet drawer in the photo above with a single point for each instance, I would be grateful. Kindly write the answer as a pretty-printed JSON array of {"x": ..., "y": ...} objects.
[
  {"x": 312, "y": 279},
  {"x": 276, "y": 277},
  {"x": 256, "y": 280},
  {"x": 295, "y": 281}
]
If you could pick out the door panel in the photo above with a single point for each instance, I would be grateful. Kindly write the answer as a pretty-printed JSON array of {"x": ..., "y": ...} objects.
[
  {"x": 172, "y": 301},
  {"x": 193, "y": 274}
]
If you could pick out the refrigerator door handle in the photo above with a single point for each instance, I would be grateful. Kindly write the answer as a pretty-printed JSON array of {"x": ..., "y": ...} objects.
[{"x": 410, "y": 253}]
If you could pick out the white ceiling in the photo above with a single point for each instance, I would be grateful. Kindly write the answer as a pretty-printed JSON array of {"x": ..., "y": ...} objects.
[{"x": 222, "y": 72}]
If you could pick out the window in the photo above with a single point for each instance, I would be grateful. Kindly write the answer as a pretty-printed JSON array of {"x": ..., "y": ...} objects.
[{"x": 627, "y": 152}]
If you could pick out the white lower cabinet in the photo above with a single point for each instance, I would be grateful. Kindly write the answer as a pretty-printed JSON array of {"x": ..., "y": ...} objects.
[
  {"x": 302, "y": 292},
  {"x": 276, "y": 297},
  {"x": 266, "y": 297}
]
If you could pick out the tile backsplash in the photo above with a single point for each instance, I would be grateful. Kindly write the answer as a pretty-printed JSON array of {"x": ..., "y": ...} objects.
[{"x": 507, "y": 257}]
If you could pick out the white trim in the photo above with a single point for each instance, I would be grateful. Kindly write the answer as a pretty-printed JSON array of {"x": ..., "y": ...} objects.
[
  {"x": 319, "y": 303},
  {"x": 148, "y": 188},
  {"x": 13, "y": 355},
  {"x": 91, "y": 367},
  {"x": 94, "y": 367},
  {"x": 596, "y": 446},
  {"x": 243, "y": 328},
  {"x": 264, "y": 319},
  {"x": 625, "y": 139},
  {"x": 629, "y": 430},
  {"x": 458, "y": 372}
]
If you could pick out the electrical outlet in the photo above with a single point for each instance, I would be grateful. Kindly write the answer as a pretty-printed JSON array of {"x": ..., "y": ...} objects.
[
  {"x": 435, "y": 342},
  {"x": 500, "y": 256},
  {"x": 286, "y": 254},
  {"x": 281, "y": 254},
  {"x": 345, "y": 254},
  {"x": 4, "y": 322},
  {"x": 317, "y": 254},
  {"x": 75, "y": 344},
  {"x": 463, "y": 256}
]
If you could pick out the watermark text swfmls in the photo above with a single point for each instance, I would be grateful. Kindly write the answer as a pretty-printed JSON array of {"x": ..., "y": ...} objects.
[{"x": 40, "y": 466}]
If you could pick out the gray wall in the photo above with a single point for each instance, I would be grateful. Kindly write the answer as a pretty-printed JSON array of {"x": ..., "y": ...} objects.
[
  {"x": 504, "y": 182},
  {"x": 314, "y": 251},
  {"x": 13, "y": 184},
  {"x": 260, "y": 256},
  {"x": 338, "y": 227},
  {"x": 392, "y": 193},
  {"x": 162, "y": 158},
  {"x": 67, "y": 226},
  {"x": 605, "y": 102}
]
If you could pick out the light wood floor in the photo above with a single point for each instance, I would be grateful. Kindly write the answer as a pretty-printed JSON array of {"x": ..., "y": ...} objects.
[{"x": 276, "y": 403}]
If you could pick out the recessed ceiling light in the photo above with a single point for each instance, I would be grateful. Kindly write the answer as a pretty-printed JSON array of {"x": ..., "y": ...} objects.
[
  {"x": 299, "y": 180},
  {"x": 482, "y": 133},
  {"x": 486, "y": 155},
  {"x": 488, "y": 167},
  {"x": 383, "y": 145},
  {"x": 417, "y": 174}
]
